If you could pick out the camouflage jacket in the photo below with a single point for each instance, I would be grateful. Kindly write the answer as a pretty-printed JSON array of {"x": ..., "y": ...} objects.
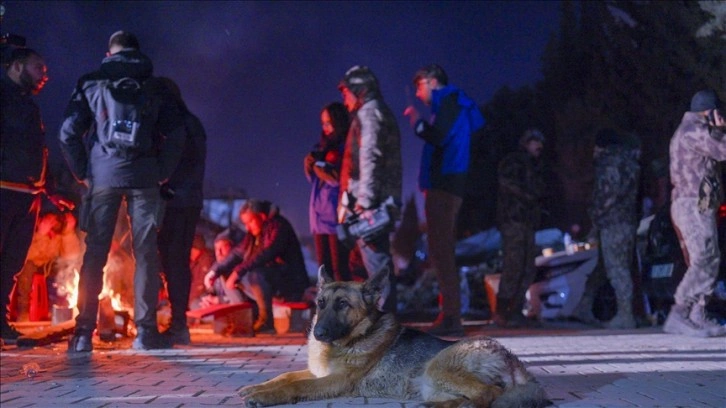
[
  {"x": 695, "y": 151},
  {"x": 521, "y": 186},
  {"x": 614, "y": 195}
]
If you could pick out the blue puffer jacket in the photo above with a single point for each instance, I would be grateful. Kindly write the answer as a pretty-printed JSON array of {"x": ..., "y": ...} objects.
[{"x": 446, "y": 154}]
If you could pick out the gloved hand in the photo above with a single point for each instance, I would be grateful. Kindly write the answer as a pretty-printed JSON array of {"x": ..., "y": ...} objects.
[{"x": 209, "y": 279}]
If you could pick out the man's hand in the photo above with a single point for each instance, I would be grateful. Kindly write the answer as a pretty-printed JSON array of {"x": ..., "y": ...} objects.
[
  {"x": 209, "y": 279},
  {"x": 61, "y": 202},
  {"x": 363, "y": 213},
  {"x": 413, "y": 115}
]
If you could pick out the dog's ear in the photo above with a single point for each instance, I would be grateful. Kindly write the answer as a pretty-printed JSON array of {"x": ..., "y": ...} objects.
[
  {"x": 323, "y": 276},
  {"x": 377, "y": 288}
]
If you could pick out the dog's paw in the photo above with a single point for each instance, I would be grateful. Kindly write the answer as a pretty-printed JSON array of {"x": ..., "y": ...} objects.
[
  {"x": 247, "y": 390},
  {"x": 257, "y": 399}
]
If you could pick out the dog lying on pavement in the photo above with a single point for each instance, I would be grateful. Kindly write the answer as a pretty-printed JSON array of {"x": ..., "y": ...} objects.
[{"x": 357, "y": 350}]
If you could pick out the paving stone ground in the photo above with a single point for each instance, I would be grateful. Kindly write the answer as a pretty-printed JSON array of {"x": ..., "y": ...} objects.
[{"x": 578, "y": 367}]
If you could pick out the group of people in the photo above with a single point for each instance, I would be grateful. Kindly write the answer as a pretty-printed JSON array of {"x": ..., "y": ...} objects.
[{"x": 153, "y": 160}]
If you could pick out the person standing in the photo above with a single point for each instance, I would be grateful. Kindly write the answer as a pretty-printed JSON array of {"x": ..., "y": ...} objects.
[
  {"x": 614, "y": 216},
  {"x": 112, "y": 173},
  {"x": 696, "y": 148},
  {"x": 371, "y": 171},
  {"x": 521, "y": 187},
  {"x": 184, "y": 196},
  {"x": 442, "y": 178},
  {"x": 23, "y": 168},
  {"x": 322, "y": 169}
]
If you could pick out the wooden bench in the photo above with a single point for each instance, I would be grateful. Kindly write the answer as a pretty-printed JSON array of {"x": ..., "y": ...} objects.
[
  {"x": 291, "y": 316},
  {"x": 229, "y": 319}
]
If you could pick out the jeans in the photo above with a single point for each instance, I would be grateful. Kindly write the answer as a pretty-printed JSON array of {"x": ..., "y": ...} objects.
[
  {"x": 145, "y": 209},
  {"x": 376, "y": 256}
]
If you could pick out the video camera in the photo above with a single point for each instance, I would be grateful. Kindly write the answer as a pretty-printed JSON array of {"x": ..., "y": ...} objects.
[{"x": 355, "y": 227}]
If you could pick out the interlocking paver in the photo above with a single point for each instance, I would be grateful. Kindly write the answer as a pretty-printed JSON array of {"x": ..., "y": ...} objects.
[{"x": 579, "y": 368}]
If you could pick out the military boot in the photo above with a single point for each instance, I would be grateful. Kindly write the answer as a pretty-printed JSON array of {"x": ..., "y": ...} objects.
[
  {"x": 709, "y": 327},
  {"x": 678, "y": 322}
]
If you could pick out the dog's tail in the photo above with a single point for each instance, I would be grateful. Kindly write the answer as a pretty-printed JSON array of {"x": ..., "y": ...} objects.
[{"x": 526, "y": 395}]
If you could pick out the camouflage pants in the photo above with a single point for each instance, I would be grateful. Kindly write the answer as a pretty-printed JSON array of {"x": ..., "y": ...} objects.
[
  {"x": 518, "y": 270},
  {"x": 698, "y": 233},
  {"x": 617, "y": 243}
]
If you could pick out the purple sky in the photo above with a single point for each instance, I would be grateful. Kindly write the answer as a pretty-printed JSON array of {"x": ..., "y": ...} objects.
[{"x": 257, "y": 74}]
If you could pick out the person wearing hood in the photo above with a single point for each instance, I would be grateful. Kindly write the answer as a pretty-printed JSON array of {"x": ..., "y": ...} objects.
[
  {"x": 268, "y": 262},
  {"x": 112, "y": 175},
  {"x": 442, "y": 178},
  {"x": 371, "y": 171}
]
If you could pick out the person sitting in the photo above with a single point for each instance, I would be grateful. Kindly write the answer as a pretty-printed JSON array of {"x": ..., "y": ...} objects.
[
  {"x": 268, "y": 262},
  {"x": 218, "y": 293}
]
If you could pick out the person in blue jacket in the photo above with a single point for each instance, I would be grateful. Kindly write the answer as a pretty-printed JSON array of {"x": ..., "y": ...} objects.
[{"x": 442, "y": 178}]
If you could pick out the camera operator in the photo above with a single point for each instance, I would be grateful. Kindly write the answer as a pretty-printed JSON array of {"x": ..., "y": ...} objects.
[
  {"x": 696, "y": 149},
  {"x": 371, "y": 171}
]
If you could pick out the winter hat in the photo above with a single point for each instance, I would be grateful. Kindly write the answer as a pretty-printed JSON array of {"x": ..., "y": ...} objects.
[
  {"x": 705, "y": 100},
  {"x": 361, "y": 81}
]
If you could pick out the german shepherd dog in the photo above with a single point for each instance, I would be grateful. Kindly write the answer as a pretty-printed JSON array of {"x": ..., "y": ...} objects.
[{"x": 357, "y": 350}]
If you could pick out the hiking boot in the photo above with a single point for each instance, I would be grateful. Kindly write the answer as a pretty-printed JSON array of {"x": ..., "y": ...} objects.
[
  {"x": 178, "y": 336},
  {"x": 8, "y": 334},
  {"x": 447, "y": 327},
  {"x": 80, "y": 343},
  {"x": 150, "y": 339},
  {"x": 709, "y": 326},
  {"x": 678, "y": 322}
]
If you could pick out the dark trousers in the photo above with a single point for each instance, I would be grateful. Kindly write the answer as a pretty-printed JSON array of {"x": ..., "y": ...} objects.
[
  {"x": 333, "y": 255},
  {"x": 145, "y": 209},
  {"x": 175, "y": 245},
  {"x": 518, "y": 270},
  {"x": 442, "y": 209},
  {"x": 376, "y": 256},
  {"x": 17, "y": 224}
]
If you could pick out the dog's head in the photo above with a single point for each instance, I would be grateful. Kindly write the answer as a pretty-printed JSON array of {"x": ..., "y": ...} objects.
[{"x": 345, "y": 310}]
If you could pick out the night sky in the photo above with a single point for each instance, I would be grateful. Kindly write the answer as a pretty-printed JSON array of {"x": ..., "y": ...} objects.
[{"x": 258, "y": 73}]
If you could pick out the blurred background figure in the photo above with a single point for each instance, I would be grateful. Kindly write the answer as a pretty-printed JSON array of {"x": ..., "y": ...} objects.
[
  {"x": 443, "y": 176},
  {"x": 521, "y": 188},
  {"x": 184, "y": 196},
  {"x": 322, "y": 169}
]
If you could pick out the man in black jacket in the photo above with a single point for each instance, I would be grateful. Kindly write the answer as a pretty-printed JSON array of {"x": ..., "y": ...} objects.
[
  {"x": 22, "y": 165},
  {"x": 268, "y": 262},
  {"x": 112, "y": 175}
]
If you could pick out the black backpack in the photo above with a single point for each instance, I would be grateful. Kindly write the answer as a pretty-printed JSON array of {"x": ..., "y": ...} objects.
[{"x": 126, "y": 114}]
